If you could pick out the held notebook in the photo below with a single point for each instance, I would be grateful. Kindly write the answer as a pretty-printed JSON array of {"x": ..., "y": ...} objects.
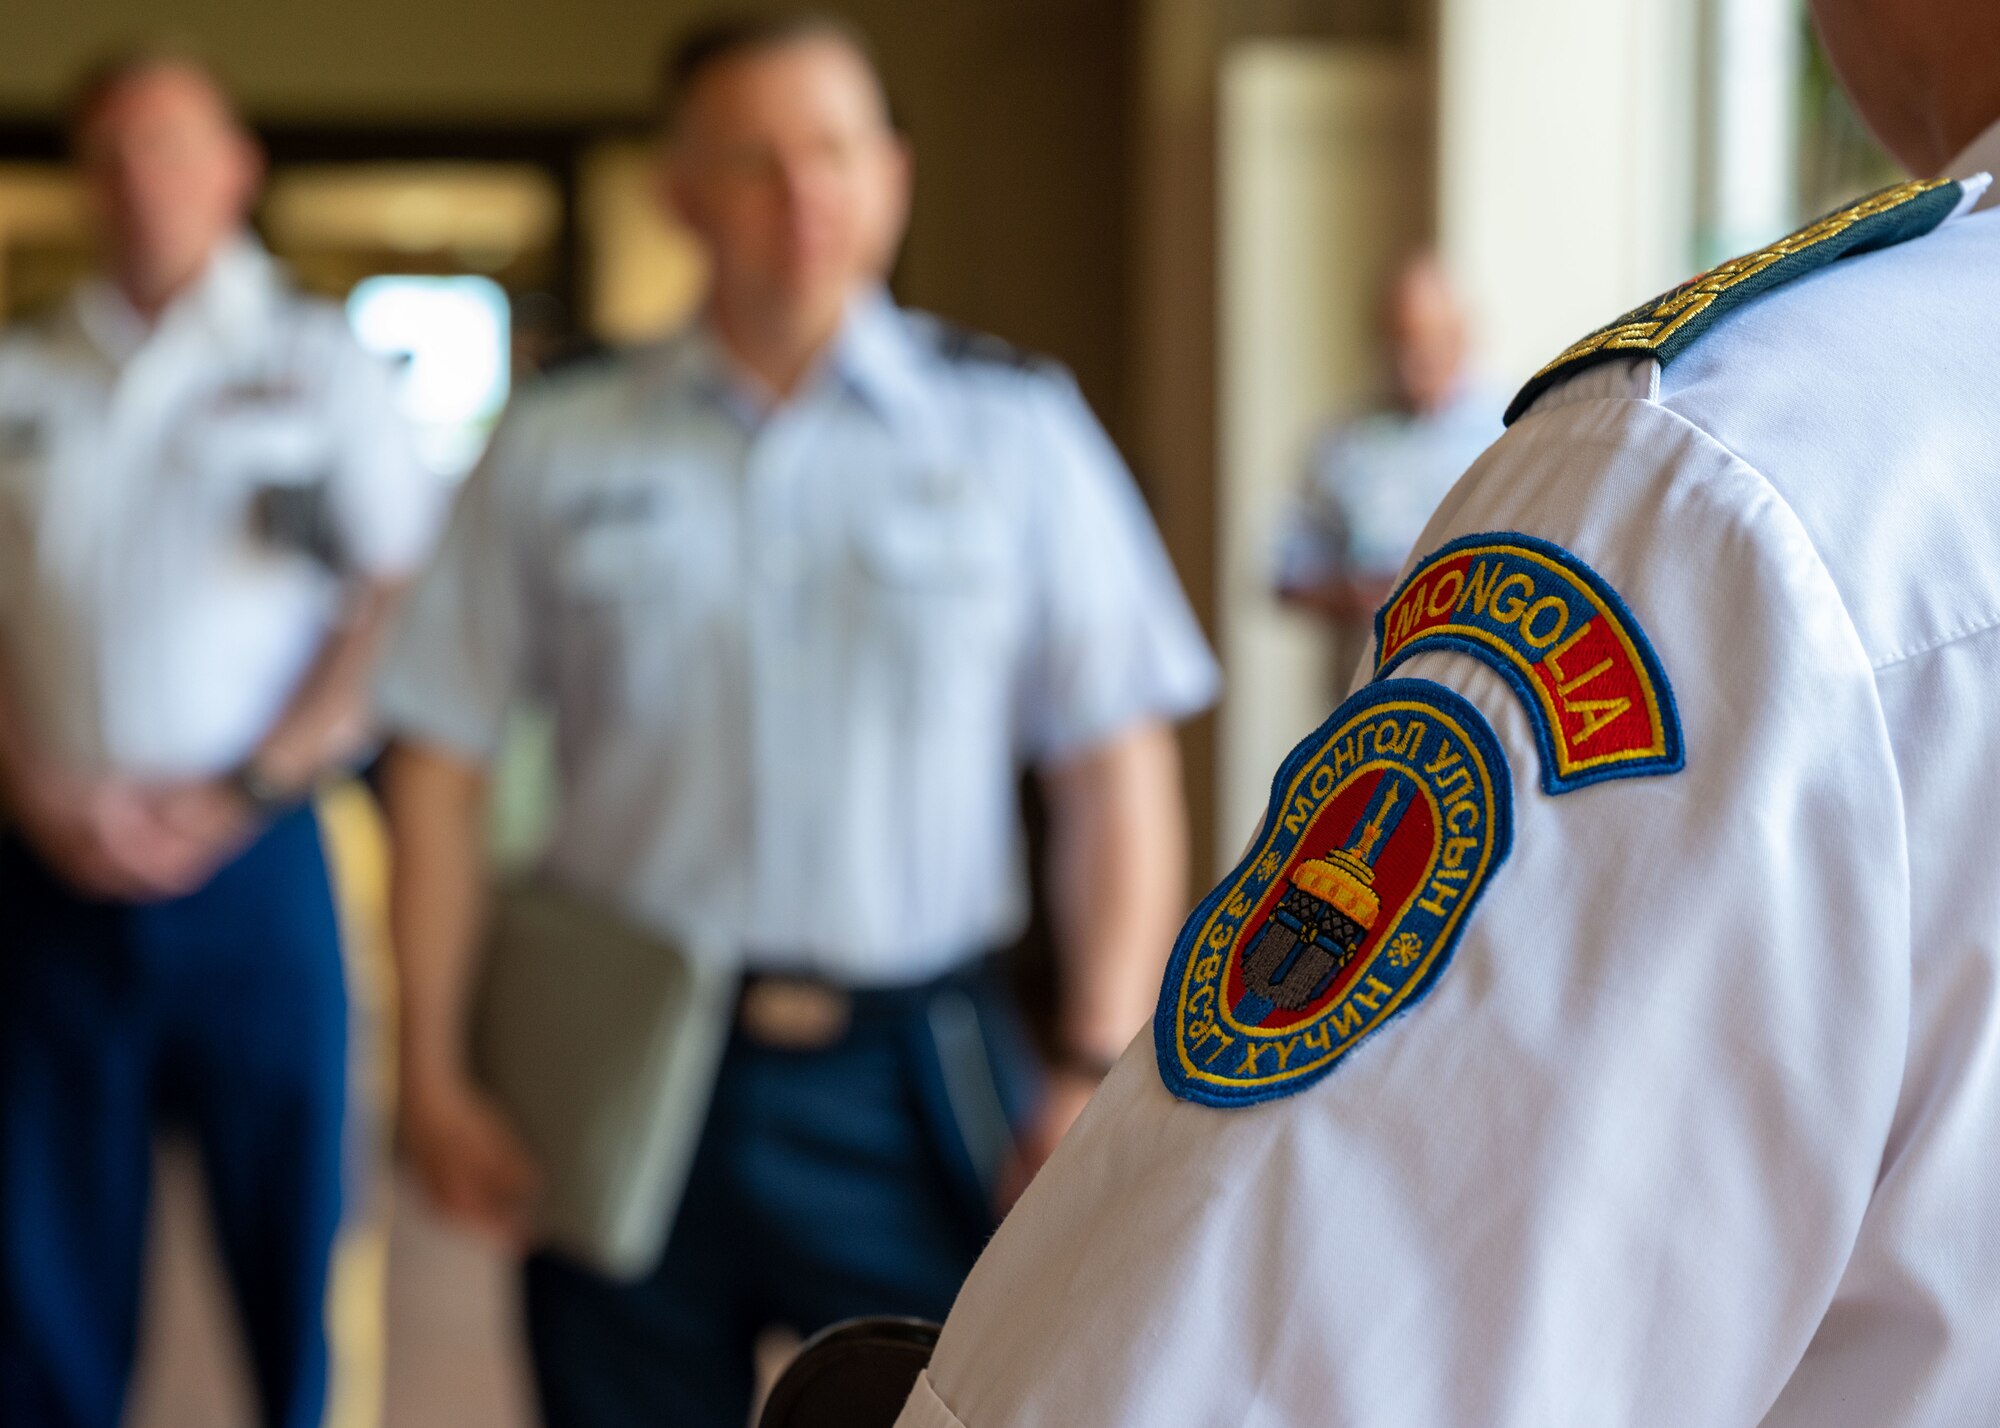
[{"x": 601, "y": 1041}]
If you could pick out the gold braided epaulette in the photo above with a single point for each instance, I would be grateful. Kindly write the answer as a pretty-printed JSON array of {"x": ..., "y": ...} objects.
[{"x": 1669, "y": 324}]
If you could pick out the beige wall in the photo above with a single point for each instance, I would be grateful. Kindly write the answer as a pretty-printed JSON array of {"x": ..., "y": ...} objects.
[
  {"x": 375, "y": 58},
  {"x": 1020, "y": 110},
  {"x": 1175, "y": 340},
  {"x": 1325, "y": 185},
  {"x": 1565, "y": 164}
]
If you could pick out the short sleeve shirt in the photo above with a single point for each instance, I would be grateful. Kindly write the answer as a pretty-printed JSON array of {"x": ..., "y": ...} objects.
[
  {"x": 797, "y": 657},
  {"x": 183, "y": 506},
  {"x": 1700, "y": 1123}
]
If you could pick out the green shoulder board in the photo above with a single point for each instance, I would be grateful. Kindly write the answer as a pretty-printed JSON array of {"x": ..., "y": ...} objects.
[{"x": 1670, "y": 323}]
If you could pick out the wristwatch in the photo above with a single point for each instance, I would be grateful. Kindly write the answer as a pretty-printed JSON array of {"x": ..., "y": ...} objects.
[{"x": 249, "y": 782}]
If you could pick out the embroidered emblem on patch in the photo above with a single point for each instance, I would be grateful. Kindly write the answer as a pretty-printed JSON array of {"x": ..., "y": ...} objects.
[
  {"x": 1383, "y": 829},
  {"x": 1599, "y": 700}
]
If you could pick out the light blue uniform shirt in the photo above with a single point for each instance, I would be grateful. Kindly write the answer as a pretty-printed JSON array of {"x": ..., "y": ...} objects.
[
  {"x": 1372, "y": 483},
  {"x": 797, "y": 658}
]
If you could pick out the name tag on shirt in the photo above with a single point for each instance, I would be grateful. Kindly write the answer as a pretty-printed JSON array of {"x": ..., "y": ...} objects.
[
  {"x": 614, "y": 505},
  {"x": 298, "y": 518},
  {"x": 937, "y": 531},
  {"x": 256, "y": 394}
]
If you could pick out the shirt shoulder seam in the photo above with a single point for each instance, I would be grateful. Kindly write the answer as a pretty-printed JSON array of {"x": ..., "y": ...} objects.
[
  {"x": 1977, "y": 625},
  {"x": 1895, "y": 769},
  {"x": 1708, "y": 437},
  {"x": 1980, "y": 625},
  {"x": 1770, "y": 486}
]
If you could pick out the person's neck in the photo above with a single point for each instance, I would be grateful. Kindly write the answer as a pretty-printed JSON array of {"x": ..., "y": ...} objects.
[
  {"x": 1432, "y": 404},
  {"x": 1946, "y": 108},
  {"x": 1960, "y": 131},
  {"x": 776, "y": 349},
  {"x": 151, "y": 289}
]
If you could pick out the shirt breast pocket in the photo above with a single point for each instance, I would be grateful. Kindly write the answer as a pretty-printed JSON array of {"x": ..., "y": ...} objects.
[
  {"x": 267, "y": 468},
  {"x": 276, "y": 442},
  {"x": 617, "y": 561},
  {"x": 635, "y": 594},
  {"x": 937, "y": 598}
]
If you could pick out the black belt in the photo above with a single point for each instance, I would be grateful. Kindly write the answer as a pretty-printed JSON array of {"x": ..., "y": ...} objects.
[{"x": 802, "y": 1011}]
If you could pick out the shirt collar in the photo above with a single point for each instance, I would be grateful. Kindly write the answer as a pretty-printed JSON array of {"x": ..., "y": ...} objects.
[
  {"x": 693, "y": 363},
  {"x": 872, "y": 356},
  {"x": 225, "y": 301},
  {"x": 876, "y": 357},
  {"x": 1982, "y": 155}
]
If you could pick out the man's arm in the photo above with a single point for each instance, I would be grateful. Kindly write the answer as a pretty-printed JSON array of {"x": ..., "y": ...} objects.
[
  {"x": 1635, "y": 1123},
  {"x": 468, "y": 1157},
  {"x": 1352, "y": 599},
  {"x": 1118, "y": 854},
  {"x": 1118, "y": 658},
  {"x": 328, "y": 718},
  {"x": 117, "y": 838},
  {"x": 326, "y": 721},
  {"x": 456, "y": 668},
  {"x": 97, "y": 833}
]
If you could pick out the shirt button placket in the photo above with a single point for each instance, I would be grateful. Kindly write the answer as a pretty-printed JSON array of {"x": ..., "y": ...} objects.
[{"x": 777, "y": 557}]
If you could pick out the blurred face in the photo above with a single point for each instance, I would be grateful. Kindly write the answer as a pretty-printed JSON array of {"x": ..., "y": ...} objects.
[
  {"x": 1426, "y": 333},
  {"x": 169, "y": 176},
  {"x": 784, "y": 164}
]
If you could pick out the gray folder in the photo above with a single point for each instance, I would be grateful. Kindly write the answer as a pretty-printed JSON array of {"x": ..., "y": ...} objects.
[{"x": 601, "y": 1040}]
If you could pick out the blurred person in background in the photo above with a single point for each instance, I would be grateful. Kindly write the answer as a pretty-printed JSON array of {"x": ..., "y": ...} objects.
[
  {"x": 1372, "y": 482},
  {"x": 207, "y": 507},
  {"x": 805, "y": 586}
]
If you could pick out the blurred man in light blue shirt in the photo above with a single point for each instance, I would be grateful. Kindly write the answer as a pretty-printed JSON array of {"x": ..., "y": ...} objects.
[
  {"x": 806, "y": 587},
  {"x": 208, "y": 509},
  {"x": 1372, "y": 483}
]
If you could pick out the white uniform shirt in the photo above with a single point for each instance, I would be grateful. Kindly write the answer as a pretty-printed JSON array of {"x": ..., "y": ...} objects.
[
  {"x": 1371, "y": 483},
  {"x": 163, "y": 492},
  {"x": 797, "y": 658},
  {"x": 1701, "y": 1126}
]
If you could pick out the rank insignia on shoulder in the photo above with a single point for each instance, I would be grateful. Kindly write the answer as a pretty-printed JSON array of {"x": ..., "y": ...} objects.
[
  {"x": 1383, "y": 829},
  {"x": 1670, "y": 323},
  {"x": 1547, "y": 622}
]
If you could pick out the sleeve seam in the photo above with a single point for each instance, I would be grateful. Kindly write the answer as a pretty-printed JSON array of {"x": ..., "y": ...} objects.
[
  {"x": 1894, "y": 769},
  {"x": 1708, "y": 438},
  {"x": 1977, "y": 627}
]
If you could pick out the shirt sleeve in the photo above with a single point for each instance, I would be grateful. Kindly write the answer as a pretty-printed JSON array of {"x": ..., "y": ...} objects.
[
  {"x": 1314, "y": 536},
  {"x": 1115, "y": 642},
  {"x": 460, "y": 658},
  {"x": 387, "y": 505},
  {"x": 1611, "y": 1168}
]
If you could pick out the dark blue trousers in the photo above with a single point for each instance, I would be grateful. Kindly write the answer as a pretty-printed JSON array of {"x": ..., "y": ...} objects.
[
  {"x": 828, "y": 1184},
  {"x": 224, "y": 1011}
]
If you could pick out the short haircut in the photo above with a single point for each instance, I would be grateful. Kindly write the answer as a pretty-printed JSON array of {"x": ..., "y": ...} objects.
[
  {"x": 111, "y": 69},
  {"x": 713, "y": 42}
]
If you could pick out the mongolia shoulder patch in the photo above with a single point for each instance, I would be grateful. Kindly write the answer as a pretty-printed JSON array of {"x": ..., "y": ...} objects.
[
  {"x": 1565, "y": 641},
  {"x": 1383, "y": 829},
  {"x": 1670, "y": 323},
  {"x": 1551, "y": 626}
]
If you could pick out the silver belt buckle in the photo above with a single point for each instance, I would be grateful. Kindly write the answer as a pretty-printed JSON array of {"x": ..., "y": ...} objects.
[{"x": 794, "y": 1013}]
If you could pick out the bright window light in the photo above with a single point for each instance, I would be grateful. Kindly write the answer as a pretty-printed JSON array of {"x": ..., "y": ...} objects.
[{"x": 450, "y": 334}]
